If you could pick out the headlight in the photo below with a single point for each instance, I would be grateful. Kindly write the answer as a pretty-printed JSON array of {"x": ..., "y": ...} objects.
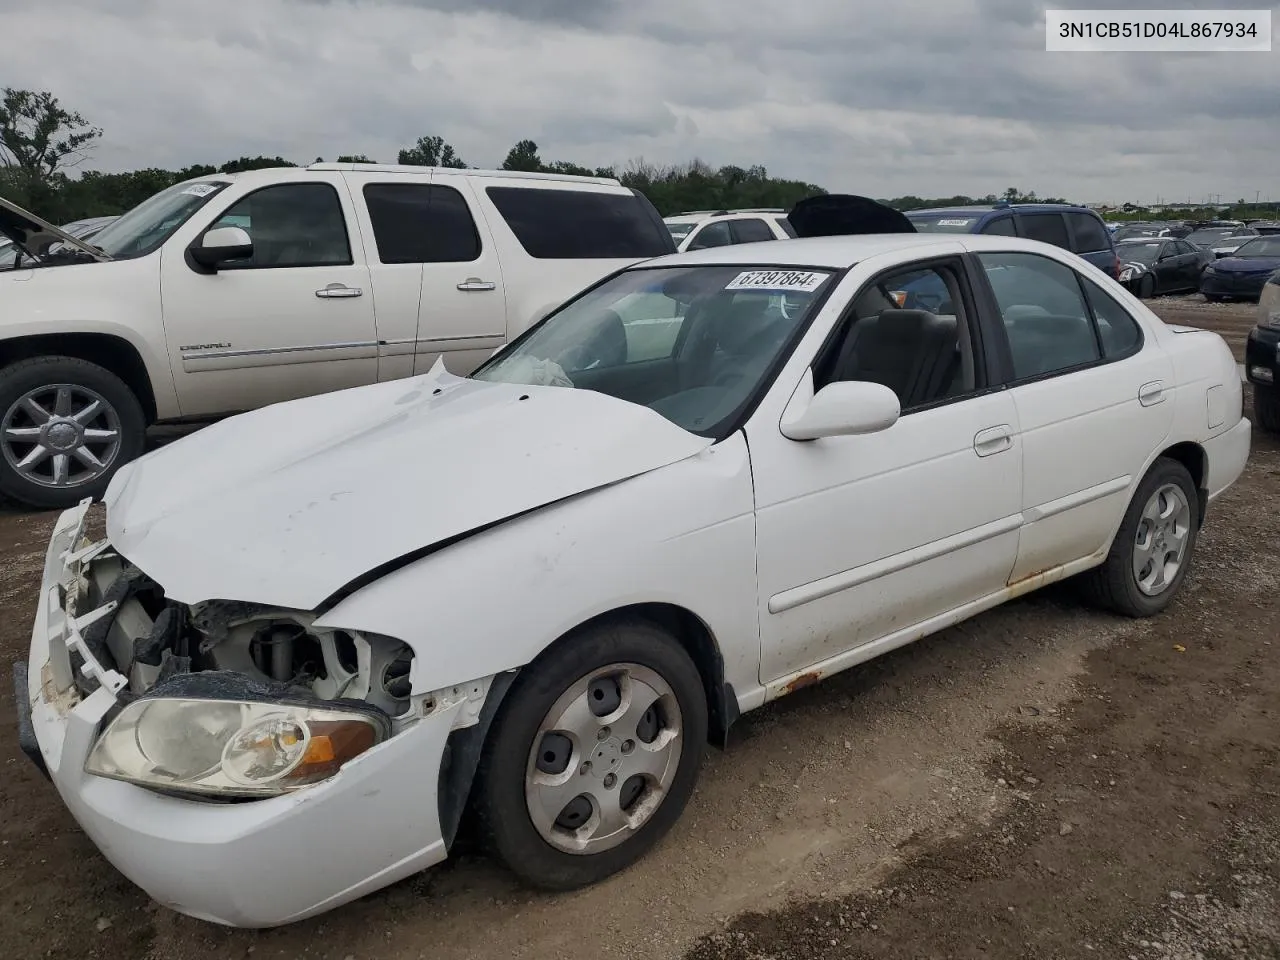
[
  {"x": 1126, "y": 274},
  {"x": 229, "y": 747},
  {"x": 1208, "y": 268}
]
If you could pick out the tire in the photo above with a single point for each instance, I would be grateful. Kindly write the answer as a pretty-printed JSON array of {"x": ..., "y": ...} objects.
[
  {"x": 1266, "y": 408},
  {"x": 508, "y": 782},
  {"x": 1146, "y": 287},
  {"x": 1214, "y": 298},
  {"x": 64, "y": 475},
  {"x": 1115, "y": 584}
]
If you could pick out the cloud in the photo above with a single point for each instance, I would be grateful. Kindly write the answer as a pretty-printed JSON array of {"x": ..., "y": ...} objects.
[{"x": 918, "y": 96}]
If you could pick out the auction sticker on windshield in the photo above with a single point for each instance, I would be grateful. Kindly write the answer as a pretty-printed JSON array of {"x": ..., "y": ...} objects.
[
  {"x": 201, "y": 189},
  {"x": 805, "y": 281}
]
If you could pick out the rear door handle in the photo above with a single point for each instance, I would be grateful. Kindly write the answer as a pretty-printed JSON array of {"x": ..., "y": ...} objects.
[
  {"x": 1149, "y": 394},
  {"x": 337, "y": 290},
  {"x": 475, "y": 283},
  {"x": 993, "y": 440}
]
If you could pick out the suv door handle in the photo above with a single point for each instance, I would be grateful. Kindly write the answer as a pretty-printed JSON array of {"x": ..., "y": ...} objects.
[
  {"x": 475, "y": 283},
  {"x": 335, "y": 290},
  {"x": 1149, "y": 394},
  {"x": 993, "y": 440}
]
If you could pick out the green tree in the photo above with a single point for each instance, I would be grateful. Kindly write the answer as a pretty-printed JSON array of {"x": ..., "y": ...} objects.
[
  {"x": 354, "y": 158},
  {"x": 38, "y": 137},
  {"x": 432, "y": 152},
  {"x": 523, "y": 156},
  {"x": 254, "y": 163}
]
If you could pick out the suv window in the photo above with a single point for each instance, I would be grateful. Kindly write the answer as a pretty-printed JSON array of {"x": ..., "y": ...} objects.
[
  {"x": 786, "y": 226},
  {"x": 1045, "y": 315},
  {"x": 752, "y": 230},
  {"x": 1181, "y": 247},
  {"x": 291, "y": 225},
  {"x": 421, "y": 223},
  {"x": 922, "y": 350},
  {"x": 1090, "y": 234},
  {"x": 557, "y": 224},
  {"x": 712, "y": 235},
  {"x": 1045, "y": 227},
  {"x": 1118, "y": 331},
  {"x": 1002, "y": 227}
]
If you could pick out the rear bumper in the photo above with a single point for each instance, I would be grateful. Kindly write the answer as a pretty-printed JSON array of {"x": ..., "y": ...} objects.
[
  {"x": 1227, "y": 455},
  {"x": 251, "y": 864}
]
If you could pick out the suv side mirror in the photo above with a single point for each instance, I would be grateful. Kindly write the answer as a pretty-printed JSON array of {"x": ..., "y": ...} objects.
[
  {"x": 222, "y": 244},
  {"x": 842, "y": 409}
]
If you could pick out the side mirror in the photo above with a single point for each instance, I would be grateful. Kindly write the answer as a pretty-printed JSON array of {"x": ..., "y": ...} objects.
[
  {"x": 222, "y": 244},
  {"x": 843, "y": 409}
]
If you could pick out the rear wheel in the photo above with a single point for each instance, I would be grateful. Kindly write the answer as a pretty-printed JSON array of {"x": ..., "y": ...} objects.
[
  {"x": 1266, "y": 408},
  {"x": 593, "y": 756},
  {"x": 1152, "y": 550},
  {"x": 66, "y": 427}
]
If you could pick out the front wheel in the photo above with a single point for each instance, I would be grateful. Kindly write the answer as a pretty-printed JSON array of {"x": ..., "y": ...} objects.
[
  {"x": 1152, "y": 550},
  {"x": 593, "y": 756},
  {"x": 1146, "y": 287},
  {"x": 1266, "y": 408},
  {"x": 66, "y": 427}
]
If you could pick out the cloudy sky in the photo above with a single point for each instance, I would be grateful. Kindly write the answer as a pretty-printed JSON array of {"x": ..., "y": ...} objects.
[{"x": 929, "y": 97}]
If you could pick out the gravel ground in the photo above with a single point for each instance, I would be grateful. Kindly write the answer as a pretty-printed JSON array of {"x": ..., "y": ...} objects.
[{"x": 1041, "y": 781}]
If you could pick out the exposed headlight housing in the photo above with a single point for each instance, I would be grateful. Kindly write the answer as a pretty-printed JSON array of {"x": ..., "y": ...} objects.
[
  {"x": 231, "y": 748},
  {"x": 1126, "y": 274}
]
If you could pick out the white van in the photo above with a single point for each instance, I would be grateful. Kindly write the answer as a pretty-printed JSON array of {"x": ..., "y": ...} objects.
[{"x": 233, "y": 291}]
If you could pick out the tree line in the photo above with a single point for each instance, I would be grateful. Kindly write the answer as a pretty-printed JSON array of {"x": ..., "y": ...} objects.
[{"x": 42, "y": 143}]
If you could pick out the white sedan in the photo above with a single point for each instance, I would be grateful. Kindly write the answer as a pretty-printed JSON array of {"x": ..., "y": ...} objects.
[{"x": 317, "y": 632}]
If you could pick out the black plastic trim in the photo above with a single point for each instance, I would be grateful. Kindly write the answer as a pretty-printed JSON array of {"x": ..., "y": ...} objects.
[
  {"x": 27, "y": 742},
  {"x": 462, "y": 758}
]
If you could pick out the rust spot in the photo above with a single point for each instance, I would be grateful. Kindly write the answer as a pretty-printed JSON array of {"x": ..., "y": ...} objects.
[
  {"x": 802, "y": 681},
  {"x": 1029, "y": 577}
]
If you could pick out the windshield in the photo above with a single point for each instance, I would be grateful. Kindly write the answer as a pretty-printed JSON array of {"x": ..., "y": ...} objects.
[
  {"x": 1211, "y": 236},
  {"x": 1260, "y": 247},
  {"x": 1140, "y": 252},
  {"x": 691, "y": 343},
  {"x": 150, "y": 223},
  {"x": 681, "y": 228},
  {"x": 1124, "y": 233},
  {"x": 943, "y": 222}
]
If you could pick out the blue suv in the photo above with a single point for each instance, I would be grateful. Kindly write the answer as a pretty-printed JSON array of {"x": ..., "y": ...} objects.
[{"x": 1073, "y": 228}]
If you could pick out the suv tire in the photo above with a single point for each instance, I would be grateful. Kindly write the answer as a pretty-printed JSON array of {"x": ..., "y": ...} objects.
[{"x": 66, "y": 426}]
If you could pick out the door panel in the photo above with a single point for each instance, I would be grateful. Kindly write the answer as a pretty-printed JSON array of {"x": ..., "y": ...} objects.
[
  {"x": 1091, "y": 399},
  {"x": 294, "y": 320},
  {"x": 863, "y": 536}
]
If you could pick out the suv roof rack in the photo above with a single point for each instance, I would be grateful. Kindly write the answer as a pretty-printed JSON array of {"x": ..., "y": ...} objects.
[{"x": 411, "y": 170}]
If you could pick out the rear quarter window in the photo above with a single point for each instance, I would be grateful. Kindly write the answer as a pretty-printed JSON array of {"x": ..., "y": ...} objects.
[
  {"x": 1047, "y": 228},
  {"x": 1090, "y": 235},
  {"x": 557, "y": 224}
]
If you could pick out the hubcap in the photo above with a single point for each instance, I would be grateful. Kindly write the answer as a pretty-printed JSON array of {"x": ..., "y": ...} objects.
[
  {"x": 1160, "y": 546},
  {"x": 60, "y": 435},
  {"x": 603, "y": 759}
]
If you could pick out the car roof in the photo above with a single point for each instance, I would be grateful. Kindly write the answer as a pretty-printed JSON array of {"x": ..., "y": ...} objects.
[
  {"x": 839, "y": 253},
  {"x": 995, "y": 207}
]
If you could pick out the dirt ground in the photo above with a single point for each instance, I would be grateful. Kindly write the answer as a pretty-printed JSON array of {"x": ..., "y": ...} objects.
[{"x": 1041, "y": 781}]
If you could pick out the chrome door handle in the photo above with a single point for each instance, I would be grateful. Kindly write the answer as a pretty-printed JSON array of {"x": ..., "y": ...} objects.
[
  {"x": 335, "y": 290},
  {"x": 1149, "y": 394},
  {"x": 475, "y": 283},
  {"x": 993, "y": 440}
]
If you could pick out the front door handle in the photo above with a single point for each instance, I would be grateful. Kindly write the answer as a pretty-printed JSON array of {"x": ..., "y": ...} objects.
[
  {"x": 475, "y": 283},
  {"x": 336, "y": 290},
  {"x": 993, "y": 440},
  {"x": 1149, "y": 394}
]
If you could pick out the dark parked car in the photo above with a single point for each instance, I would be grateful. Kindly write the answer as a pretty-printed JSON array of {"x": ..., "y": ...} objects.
[
  {"x": 1141, "y": 231},
  {"x": 1242, "y": 275},
  {"x": 1073, "y": 228},
  {"x": 1262, "y": 357},
  {"x": 1161, "y": 265},
  {"x": 1208, "y": 237},
  {"x": 1265, "y": 228}
]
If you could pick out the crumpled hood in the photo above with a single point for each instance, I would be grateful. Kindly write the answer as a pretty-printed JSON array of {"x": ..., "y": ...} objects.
[{"x": 288, "y": 504}]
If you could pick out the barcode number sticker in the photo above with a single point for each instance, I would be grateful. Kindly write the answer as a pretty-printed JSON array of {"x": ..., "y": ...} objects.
[{"x": 805, "y": 281}]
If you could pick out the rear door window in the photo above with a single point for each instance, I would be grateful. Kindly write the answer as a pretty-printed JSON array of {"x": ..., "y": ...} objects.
[
  {"x": 558, "y": 224},
  {"x": 786, "y": 226},
  {"x": 712, "y": 235},
  {"x": 1002, "y": 227},
  {"x": 1090, "y": 234},
  {"x": 1045, "y": 227},
  {"x": 421, "y": 223},
  {"x": 752, "y": 230}
]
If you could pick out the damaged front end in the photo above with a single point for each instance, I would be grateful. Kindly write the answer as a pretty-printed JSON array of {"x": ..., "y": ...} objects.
[{"x": 219, "y": 699}]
